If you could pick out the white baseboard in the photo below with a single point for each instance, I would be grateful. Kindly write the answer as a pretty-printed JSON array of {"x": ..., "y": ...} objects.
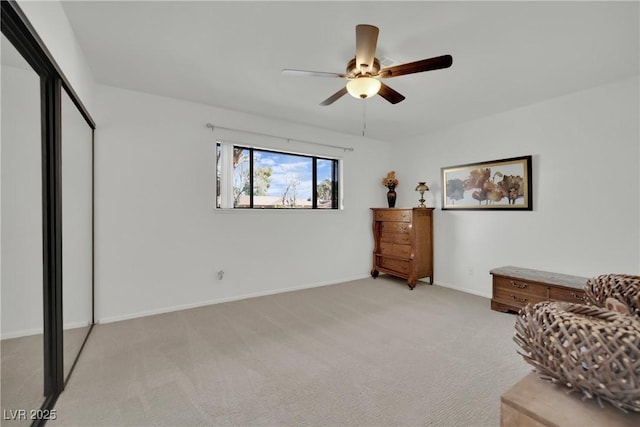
[
  {"x": 20, "y": 334},
  {"x": 111, "y": 319},
  {"x": 74, "y": 325},
  {"x": 170, "y": 309},
  {"x": 29, "y": 332},
  {"x": 467, "y": 290}
]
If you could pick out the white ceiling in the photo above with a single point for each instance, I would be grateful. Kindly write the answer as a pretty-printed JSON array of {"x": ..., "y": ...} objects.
[{"x": 230, "y": 54}]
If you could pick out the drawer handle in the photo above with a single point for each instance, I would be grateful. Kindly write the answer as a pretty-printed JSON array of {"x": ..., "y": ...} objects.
[
  {"x": 576, "y": 296},
  {"x": 518, "y": 299},
  {"x": 518, "y": 285}
]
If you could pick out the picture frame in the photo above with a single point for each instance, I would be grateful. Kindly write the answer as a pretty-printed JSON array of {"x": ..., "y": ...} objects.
[{"x": 503, "y": 184}]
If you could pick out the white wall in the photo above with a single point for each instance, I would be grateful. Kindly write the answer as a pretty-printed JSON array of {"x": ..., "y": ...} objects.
[
  {"x": 21, "y": 204},
  {"x": 159, "y": 243},
  {"x": 585, "y": 218},
  {"x": 52, "y": 25}
]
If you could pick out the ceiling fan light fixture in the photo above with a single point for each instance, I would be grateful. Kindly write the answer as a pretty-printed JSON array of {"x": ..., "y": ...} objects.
[
  {"x": 364, "y": 70},
  {"x": 363, "y": 87}
]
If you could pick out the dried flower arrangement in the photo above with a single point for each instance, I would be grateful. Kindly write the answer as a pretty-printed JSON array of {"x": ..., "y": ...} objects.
[{"x": 390, "y": 180}]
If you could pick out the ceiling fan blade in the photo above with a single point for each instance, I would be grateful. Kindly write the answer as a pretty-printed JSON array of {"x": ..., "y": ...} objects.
[
  {"x": 436, "y": 63},
  {"x": 389, "y": 94},
  {"x": 366, "y": 41},
  {"x": 305, "y": 73},
  {"x": 333, "y": 98}
]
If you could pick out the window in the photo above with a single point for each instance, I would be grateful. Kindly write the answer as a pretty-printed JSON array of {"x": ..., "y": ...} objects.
[{"x": 252, "y": 178}]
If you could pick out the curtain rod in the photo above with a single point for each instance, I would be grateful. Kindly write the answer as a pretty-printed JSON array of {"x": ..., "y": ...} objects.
[{"x": 213, "y": 127}]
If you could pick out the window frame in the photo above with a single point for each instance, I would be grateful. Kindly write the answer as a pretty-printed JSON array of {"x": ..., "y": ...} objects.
[{"x": 224, "y": 178}]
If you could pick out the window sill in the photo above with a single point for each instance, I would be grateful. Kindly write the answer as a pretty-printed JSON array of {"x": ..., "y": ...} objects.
[{"x": 277, "y": 211}]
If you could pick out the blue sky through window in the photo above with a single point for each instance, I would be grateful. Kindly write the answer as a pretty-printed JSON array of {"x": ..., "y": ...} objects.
[
  {"x": 290, "y": 182},
  {"x": 286, "y": 169}
]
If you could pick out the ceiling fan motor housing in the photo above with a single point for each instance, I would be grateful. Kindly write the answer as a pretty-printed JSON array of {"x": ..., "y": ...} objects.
[{"x": 372, "y": 70}]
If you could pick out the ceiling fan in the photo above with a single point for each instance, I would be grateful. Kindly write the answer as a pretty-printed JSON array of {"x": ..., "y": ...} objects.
[{"x": 364, "y": 73}]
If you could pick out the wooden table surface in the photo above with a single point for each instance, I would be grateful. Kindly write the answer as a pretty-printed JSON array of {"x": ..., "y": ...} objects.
[{"x": 535, "y": 402}]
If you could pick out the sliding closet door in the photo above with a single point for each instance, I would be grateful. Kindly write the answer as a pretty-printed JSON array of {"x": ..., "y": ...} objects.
[
  {"x": 47, "y": 224},
  {"x": 22, "y": 360},
  {"x": 77, "y": 230}
]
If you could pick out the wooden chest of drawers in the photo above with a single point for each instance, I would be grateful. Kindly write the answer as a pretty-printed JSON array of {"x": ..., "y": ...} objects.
[
  {"x": 515, "y": 287},
  {"x": 403, "y": 243}
]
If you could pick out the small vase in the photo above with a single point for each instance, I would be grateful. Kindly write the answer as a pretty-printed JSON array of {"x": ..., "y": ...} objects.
[{"x": 391, "y": 196}]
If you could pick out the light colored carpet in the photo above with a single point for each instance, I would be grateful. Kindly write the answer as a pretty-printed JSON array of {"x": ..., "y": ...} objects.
[
  {"x": 363, "y": 353},
  {"x": 21, "y": 377},
  {"x": 22, "y": 372}
]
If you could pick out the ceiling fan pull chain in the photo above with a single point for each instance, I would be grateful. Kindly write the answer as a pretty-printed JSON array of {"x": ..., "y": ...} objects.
[{"x": 364, "y": 116}]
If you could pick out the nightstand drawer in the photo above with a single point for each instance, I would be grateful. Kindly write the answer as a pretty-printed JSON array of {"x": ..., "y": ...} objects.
[
  {"x": 521, "y": 286},
  {"x": 399, "y": 215}
]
